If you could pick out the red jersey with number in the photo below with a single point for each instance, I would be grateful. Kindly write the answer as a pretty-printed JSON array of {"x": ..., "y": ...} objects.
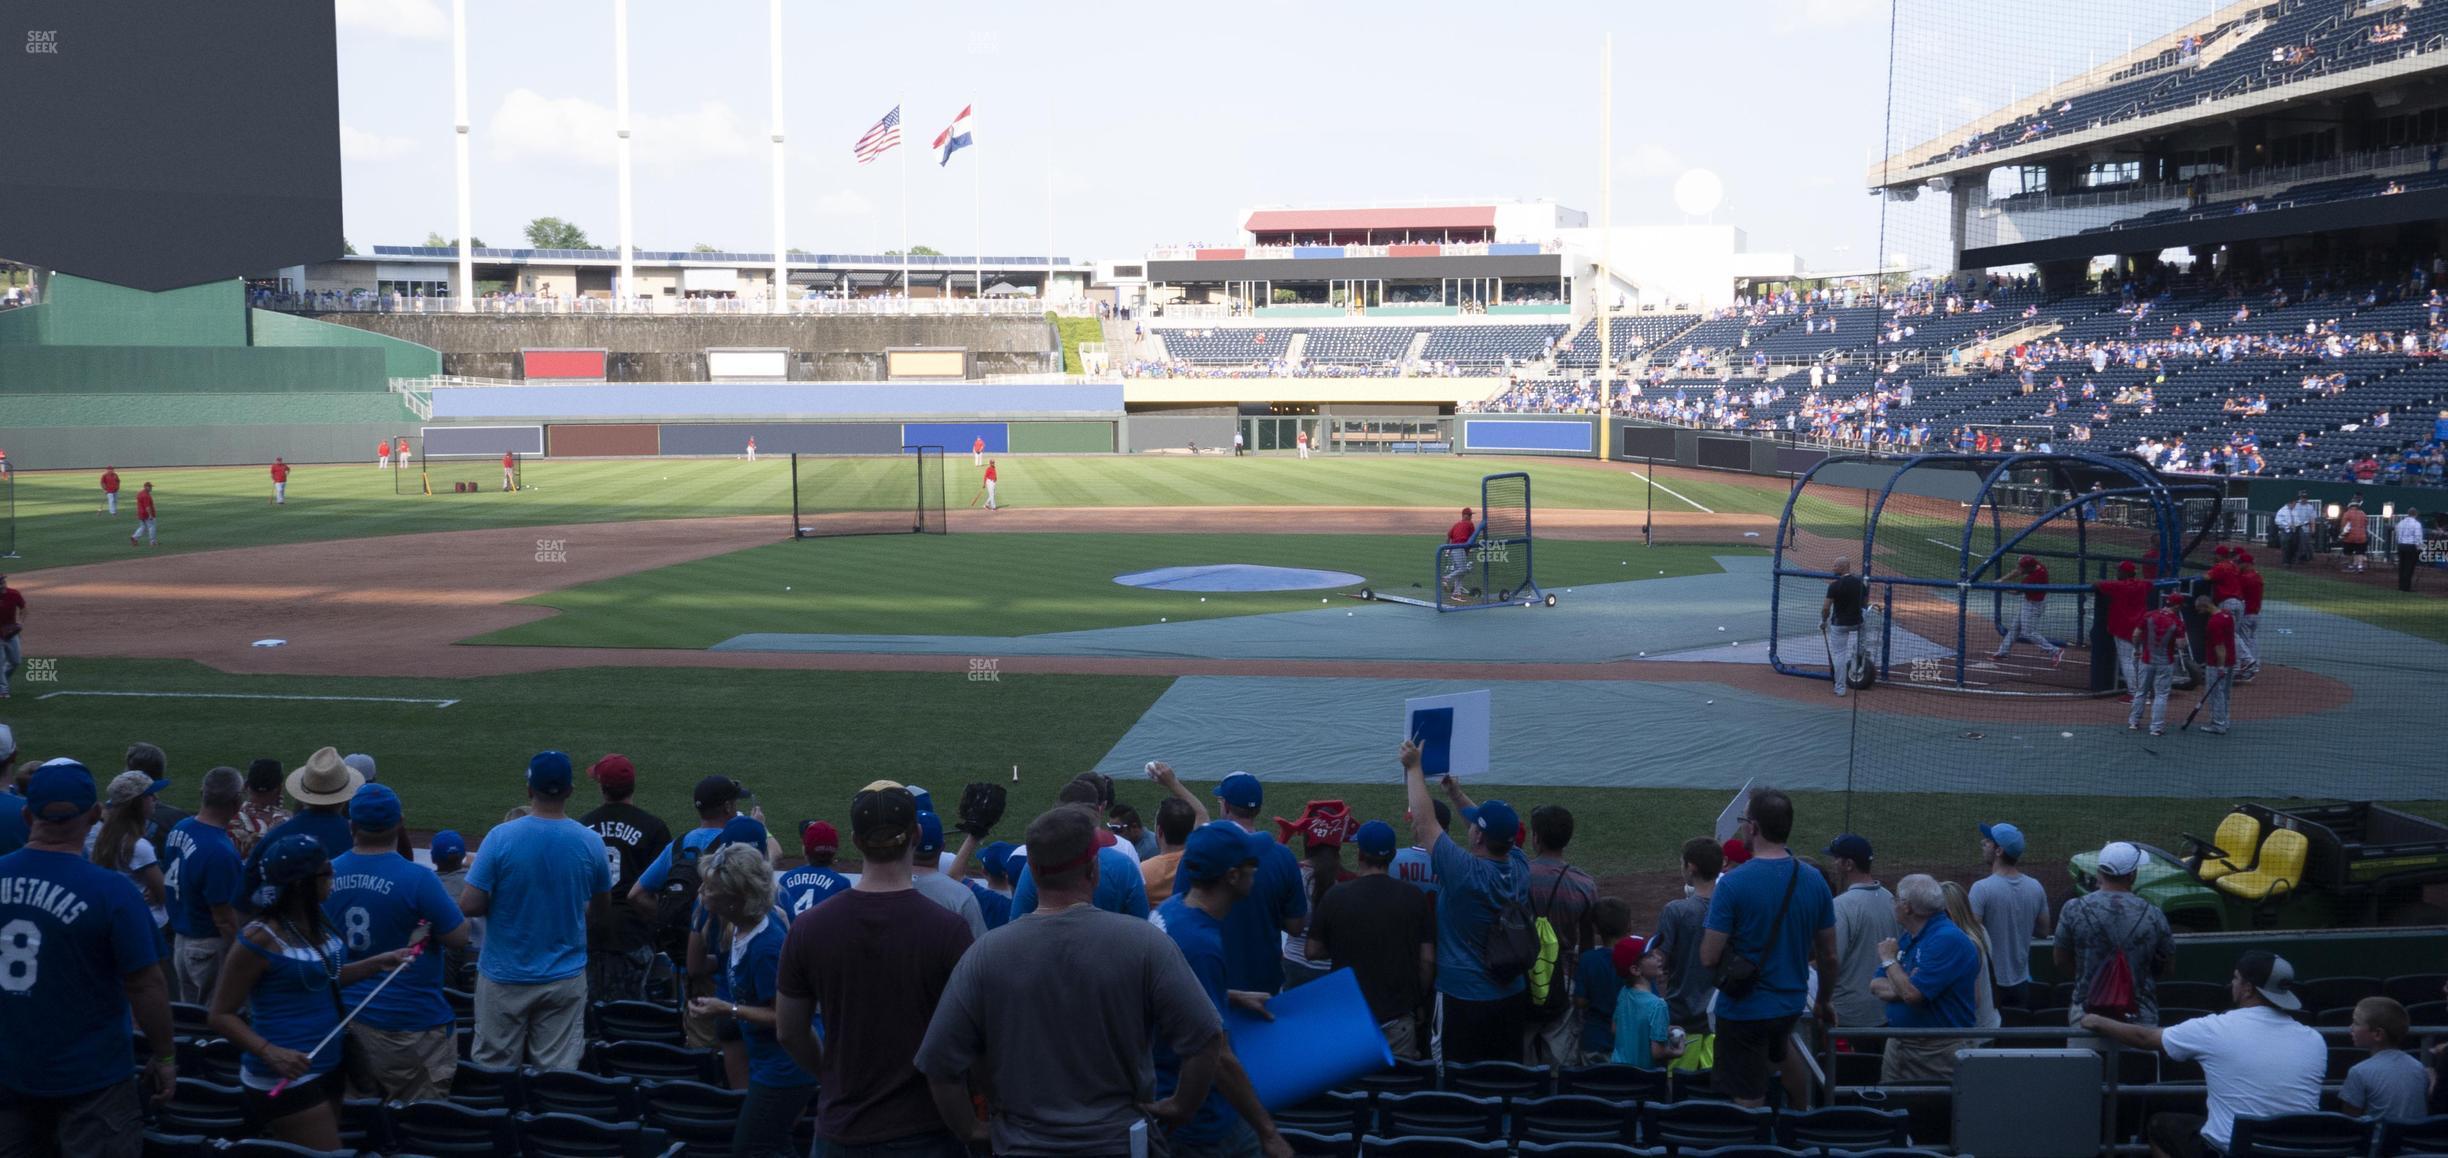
[
  {"x": 990, "y": 472},
  {"x": 2038, "y": 574},
  {"x": 280, "y": 472},
  {"x": 1460, "y": 532},
  {"x": 2220, "y": 634},
  {"x": 2161, "y": 635},
  {"x": 110, "y": 482},
  {"x": 144, "y": 504},
  {"x": 2225, "y": 582},
  {"x": 2251, "y": 581},
  {"x": 2123, "y": 601}
]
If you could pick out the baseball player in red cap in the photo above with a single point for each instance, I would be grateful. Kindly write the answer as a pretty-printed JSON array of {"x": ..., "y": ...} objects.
[
  {"x": 2248, "y": 623},
  {"x": 1460, "y": 532},
  {"x": 2218, "y": 661},
  {"x": 2159, "y": 643},
  {"x": 2026, "y": 623},
  {"x": 2123, "y": 601},
  {"x": 2226, "y": 580}
]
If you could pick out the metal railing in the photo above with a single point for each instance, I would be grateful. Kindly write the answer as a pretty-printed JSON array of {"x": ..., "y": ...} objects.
[
  {"x": 516, "y": 306},
  {"x": 2373, "y": 162}
]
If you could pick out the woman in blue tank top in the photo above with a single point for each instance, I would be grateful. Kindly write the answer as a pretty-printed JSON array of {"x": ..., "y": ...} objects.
[
  {"x": 737, "y": 886},
  {"x": 288, "y": 974}
]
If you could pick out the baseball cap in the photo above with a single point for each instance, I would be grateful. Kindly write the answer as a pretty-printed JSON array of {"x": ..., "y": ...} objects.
[
  {"x": 127, "y": 786},
  {"x": 2119, "y": 859},
  {"x": 1466, "y": 512},
  {"x": 1375, "y": 838},
  {"x": 2272, "y": 976},
  {"x": 293, "y": 858},
  {"x": 1241, "y": 790},
  {"x": 2243, "y": 557},
  {"x": 263, "y": 775},
  {"x": 1219, "y": 847},
  {"x": 2223, "y": 550},
  {"x": 448, "y": 845},
  {"x": 996, "y": 859},
  {"x": 745, "y": 830},
  {"x": 716, "y": 790},
  {"x": 549, "y": 773},
  {"x": 1736, "y": 852},
  {"x": 374, "y": 806},
  {"x": 1496, "y": 819},
  {"x": 930, "y": 832},
  {"x": 2125, "y": 568},
  {"x": 61, "y": 789},
  {"x": 1852, "y": 847},
  {"x": 1628, "y": 953},
  {"x": 920, "y": 796},
  {"x": 816, "y": 834},
  {"x": 2007, "y": 837},
  {"x": 363, "y": 763},
  {"x": 614, "y": 771},
  {"x": 882, "y": 817}
]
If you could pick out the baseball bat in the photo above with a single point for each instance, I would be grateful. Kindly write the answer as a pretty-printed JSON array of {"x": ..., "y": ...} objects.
[
  {"x": 416, "y": 949},
  {"x": 2205, "y": 698}
]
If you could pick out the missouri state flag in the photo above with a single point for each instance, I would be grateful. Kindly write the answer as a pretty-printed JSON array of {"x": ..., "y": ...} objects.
[{"x": 954, "y": 138}]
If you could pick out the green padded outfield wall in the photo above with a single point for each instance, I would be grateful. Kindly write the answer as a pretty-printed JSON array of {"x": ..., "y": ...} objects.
[
  {"x": 1062, "y": 437},
  {"x": 49, "y": 369},
  {"x": 136, "y": 448},
  {"x": 401, "y": 358},
  {"x": 76, "y": 311}
]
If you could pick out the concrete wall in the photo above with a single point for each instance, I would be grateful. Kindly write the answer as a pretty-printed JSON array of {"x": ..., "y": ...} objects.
[
  {"x": 672, "y": 349},
  {"x": 401, "y": 359},
  {"x": 725, "y": 400},
  {"x": 133, "y": 448},
  {"x": 50, "y": 369},
  {"x": 1145, "y": 432}
]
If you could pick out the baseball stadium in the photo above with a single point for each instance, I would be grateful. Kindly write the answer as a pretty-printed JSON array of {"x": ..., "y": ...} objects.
[{"x": 2085, "y": 516}]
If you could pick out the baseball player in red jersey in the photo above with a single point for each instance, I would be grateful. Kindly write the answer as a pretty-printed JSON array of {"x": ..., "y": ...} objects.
[
  {"x": 752, "y": 448},
  {"x": 977, "y": 450},
  {"x": 2218, "y": 661},
  {"x": 144, "y": 519},
  {"x": 2026, "y": 624},
  {"x": 2226, "y": 582},
  {"x": 1460, "y": 532},
  {"x": 280, "y": 482},
  {"x": 2159, "y": 642},
  {"x": 382, "y": 455},
  {"x": 2248, "y": 624},
  {"x": 110, "y": 490},
  {"x": 990, "y": 484},
  {"x": 509, "y": 471},
  {"x": 2123, "y": 601},
  {"x": 400, "y": 451}
]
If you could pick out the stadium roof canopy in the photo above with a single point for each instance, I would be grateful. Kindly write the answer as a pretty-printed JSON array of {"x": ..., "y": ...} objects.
[{"x": 1344, "y": 220}]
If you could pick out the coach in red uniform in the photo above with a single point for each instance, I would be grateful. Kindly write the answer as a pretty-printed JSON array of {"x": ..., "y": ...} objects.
[
  {"x": 2248, "y": 624},
  {"x": 144, "y": 518},
  {"x": 2218, "y": 662},
  {"x": 2123, "y": 601},
  {"x": 280, "y": 482},
  {"x": 2158, "y": 648},
  {"x": 1459, "y": 533},
  {"x": 110, "y": 490},
  {"x": 509, "y": 469}
]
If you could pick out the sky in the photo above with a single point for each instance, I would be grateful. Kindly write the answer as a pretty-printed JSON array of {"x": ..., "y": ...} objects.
[{"x": 1113, "y": 127}]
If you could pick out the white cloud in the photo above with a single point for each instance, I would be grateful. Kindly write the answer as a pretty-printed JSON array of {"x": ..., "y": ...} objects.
[
  {"x": 839, "y": 203},
  {"x": 405, "y": 19},
  {"x": 532, "y": 126},
  {"x": 359, "y": 145},
  {"x": 1811, "y": 15}
]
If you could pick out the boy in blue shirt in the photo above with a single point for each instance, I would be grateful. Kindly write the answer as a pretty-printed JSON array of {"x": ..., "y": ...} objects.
[
  {"x": 1644, "y": 1037},
  {"x": 805, "y": 887},
  {"x": 404, "y": 1049},
  {"x": 1219, "y": 865},
  {"x": 1595, "y": 982}
]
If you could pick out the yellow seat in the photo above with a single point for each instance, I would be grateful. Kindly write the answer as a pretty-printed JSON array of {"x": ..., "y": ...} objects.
[
  {"x": 2238, "y": 836},
  {"x": 2283, "y": 857}
]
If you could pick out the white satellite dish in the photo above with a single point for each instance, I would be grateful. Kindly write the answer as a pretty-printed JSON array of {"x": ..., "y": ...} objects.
[{"x": 1698, "y": 192}]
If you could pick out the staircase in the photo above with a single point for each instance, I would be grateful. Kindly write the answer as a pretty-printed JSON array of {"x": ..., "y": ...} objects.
[
  {"x": 1415, "y": 351},
  {"x": 1296, "y": 349}
]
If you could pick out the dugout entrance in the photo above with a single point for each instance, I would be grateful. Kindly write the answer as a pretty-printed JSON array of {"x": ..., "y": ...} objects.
[
  {"x": 1938, "y": 537},
  {"x": 868, "y": 494}
]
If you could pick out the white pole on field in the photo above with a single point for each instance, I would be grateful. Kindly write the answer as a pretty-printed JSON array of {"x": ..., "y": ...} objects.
[
  {"x": 466, "y": 289},
  {"x": 781, "y": 253},
  {"x": 1606, "y": 237},
  {"x": 624, "y": 292}
]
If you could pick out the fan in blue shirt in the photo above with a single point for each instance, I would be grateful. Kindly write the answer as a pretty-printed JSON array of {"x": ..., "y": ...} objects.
[
  {"x": 1220, "y": 862},
  {"x": 378, "y": 900}
]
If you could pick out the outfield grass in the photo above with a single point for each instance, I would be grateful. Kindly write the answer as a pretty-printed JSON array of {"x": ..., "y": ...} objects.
[
  {"x": 207, "y": 508},
  {"x": 804, "y": 741},
  {"x": 1005, "y": 585}
]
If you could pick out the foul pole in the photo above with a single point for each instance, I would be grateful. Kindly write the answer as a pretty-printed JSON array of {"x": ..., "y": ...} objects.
[{"x": 1606, "y": 245}]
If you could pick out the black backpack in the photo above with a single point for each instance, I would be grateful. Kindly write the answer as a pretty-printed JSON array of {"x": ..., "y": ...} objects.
[
  {"x": 1512, "y": 943},
  {"x": 676, "y": 900}
]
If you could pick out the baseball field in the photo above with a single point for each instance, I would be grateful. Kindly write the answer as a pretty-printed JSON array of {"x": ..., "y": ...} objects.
[{"x": 658, "y": 608}]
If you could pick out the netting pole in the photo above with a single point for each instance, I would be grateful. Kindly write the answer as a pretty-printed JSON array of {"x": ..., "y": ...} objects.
[
  {"x": 10, "y": 481},
  {"x": 794, "y": 494},
  {"x": 1648, "y": 498}
]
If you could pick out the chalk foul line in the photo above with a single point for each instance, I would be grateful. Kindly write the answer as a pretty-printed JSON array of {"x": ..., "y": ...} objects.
[
  {"x": 1670, "y": 490},
  {"x": 438, "y": 704}
]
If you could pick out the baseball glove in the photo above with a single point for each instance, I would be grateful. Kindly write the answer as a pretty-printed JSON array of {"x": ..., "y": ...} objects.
[{"x": 981, "y": 808}]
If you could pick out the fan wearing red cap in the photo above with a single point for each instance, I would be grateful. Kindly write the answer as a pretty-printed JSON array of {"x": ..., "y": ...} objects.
[
  {"x": 2033, "y": 575},
  {"x": 804, "y": 887},
  {"x": 1644, "y": 1034},
  {"x": 2123, "y": 602},
  {"x": 2247, "y": 612},
  {"x": 620, "y": 947},
  {"x": 1458, "y": 562}
]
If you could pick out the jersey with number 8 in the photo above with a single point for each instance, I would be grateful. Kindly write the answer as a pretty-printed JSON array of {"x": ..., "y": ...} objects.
[
  {"x": 377, "y": 901},
  {"x": 71, "y": 932}
]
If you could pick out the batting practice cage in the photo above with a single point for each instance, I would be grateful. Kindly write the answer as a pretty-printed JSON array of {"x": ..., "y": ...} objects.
[
  {"x": 445, "y": 474},
  {"x": 1492, "y": 569},
  {"x": 868, "y": 494}
]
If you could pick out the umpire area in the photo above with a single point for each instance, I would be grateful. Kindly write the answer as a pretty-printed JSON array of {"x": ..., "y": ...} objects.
[{"x": 1600, "y": 691}]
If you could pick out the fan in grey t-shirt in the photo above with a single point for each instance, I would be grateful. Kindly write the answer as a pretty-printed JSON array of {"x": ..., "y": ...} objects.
[
  {"x": 1690, "y": 986},
  {"x": 2089, "y": 925}
]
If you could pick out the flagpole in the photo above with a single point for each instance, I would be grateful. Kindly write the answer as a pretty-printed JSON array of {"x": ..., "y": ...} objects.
[
  {"x": 781, "y": 255},
  {"x": 908, "y": 291},
  {"x": 1606, "y": 243},
  {"x": 625, "y": 294},
  {"x": 980, "y": 177},
  {"x": 466, "y": 286}
]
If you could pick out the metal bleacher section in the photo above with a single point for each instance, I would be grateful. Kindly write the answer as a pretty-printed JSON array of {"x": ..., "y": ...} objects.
[{"x": 100, "y": 373}]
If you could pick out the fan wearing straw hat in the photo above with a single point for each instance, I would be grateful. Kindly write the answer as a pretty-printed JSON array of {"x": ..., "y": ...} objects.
[
  {"x": 287, "y": 981},
  {"x": 323, "y": 787}
]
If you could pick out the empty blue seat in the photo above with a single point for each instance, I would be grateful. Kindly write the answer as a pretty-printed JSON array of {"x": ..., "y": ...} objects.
[
  {"x": 1440, "y": 1113},
  {"x": 655, "y": 1061},
  {"x": 158, "y": 1144},
  {"x": 1575, "y": 1118},
  {"x": 197, "y": 1106},
  {"x": 1307, "y": 1144},
  {"x": 1843, "y": 1127},
  {"x": 451, "y": 1130},
  {"x": 613, "y": 1099},
  {"x": 1498, "y": 1079},
  {"x": 1333, "y": 1112},
  {"x": 484, "y": 1087},
  {"x": 1376, "y": 1146},
  {"x": 1621, "y": 1083},
  {"x": 2319, "y": 1135},
  {"x": 1702, "y": 1124},
  {"x": 694, "y": 1114},
  {"x": 637, "y": 1021},
  {"x": 572, "y": 1136}
]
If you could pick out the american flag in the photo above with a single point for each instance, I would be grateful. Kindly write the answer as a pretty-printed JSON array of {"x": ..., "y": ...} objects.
[{"x": 885, "y": 135}]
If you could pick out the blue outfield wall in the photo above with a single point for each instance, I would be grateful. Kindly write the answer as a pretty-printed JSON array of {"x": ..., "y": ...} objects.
[
  {"x": 1530, "y": 435},
  {"x": 634, "y": 401},
  {"x": 956, "y": 437}
]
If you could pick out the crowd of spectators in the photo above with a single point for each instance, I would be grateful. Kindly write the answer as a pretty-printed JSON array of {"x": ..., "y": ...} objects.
[{"x": 1019, "y": 996}]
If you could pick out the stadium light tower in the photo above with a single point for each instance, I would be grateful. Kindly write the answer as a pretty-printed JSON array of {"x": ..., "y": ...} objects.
[
  {"x": 625, "y": 290},
  {"x": 781, "y": 253},
  {"x": 466, "y": 287}
]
